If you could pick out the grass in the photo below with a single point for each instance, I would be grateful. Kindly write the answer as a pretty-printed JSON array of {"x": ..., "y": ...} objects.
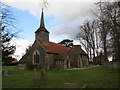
[{"x": 96, "y": 77}]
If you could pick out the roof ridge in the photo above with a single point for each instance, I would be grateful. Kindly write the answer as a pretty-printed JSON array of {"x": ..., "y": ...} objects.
[{"x": 59, "y": 44}]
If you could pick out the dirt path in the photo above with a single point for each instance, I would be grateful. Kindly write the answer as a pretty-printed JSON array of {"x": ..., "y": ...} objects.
[{"x": 82, "y": 68}]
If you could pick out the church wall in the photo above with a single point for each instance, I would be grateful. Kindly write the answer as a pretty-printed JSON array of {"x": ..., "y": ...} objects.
[
  {"x": 77, "y": 60},
  {"x": 51, "y": 60},
  {"x": 60, "y": 64},
  {"x": 36, "y": 46},
  {"x": 73, "y": 55},
  {"x": 84, "y": 60},
  {"x": 61, "y": 61},
  {"x": 21, "y": 66},
  {"x": 67, "y": 63}
]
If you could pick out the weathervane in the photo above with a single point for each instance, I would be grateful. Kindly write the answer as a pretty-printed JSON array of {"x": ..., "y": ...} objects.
[{"x": 44, "y": 4}]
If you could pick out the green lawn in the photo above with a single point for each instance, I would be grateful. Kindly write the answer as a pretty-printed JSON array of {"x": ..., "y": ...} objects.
[{"x": 95, "y": 77}]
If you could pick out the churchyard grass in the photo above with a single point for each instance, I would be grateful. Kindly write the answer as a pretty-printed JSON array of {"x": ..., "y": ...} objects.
[{"x": 95, "y": 77}]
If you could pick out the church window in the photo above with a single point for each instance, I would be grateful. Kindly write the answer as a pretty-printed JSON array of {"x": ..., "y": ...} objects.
[
  {"x": 36, "y": 57},
  {"x": 58, "y": 62},
  {"x": 61, "y": 62}
]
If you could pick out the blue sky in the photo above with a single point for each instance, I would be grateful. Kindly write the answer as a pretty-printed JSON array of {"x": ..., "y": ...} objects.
[
  {"x": 62, "y": 20},
  {"x": 28, "y": 24}
]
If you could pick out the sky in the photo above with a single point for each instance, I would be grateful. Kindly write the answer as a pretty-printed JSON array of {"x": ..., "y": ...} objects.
[{"x": 62, "y": 19}]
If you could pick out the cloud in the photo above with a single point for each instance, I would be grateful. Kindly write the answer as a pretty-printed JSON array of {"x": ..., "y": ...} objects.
[
  {"x": 69, "y": 17},
  {"x": 26, "y": 5},
  {"x": 69, "y": 14},
  {"x": 21, "y": 45}
]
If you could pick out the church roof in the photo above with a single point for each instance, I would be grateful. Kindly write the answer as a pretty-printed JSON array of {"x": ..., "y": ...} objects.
[
  {"x": 80, "y": 50},
  {"x": 57, "y": 48},
  {"x": 42, "y": 29},
  {"x": 54, "y": 48}
]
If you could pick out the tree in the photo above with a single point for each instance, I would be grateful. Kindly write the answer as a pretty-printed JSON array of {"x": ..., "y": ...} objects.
[
  {"x": 6, "y": 25},
  {"x": 104, "y": 32},
  {"x": 88, "y": 37},
  {"x": 67, "y": 43},
  {"x": 110, "y": 14}
]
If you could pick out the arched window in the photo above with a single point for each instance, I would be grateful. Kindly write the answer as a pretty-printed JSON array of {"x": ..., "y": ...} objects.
[{"x": 36, "y": 57}]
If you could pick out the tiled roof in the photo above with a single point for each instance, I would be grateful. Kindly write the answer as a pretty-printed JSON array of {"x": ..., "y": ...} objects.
[
  {"x": 14, "y": 61},
  {"x": 57, "y": 48},
  {"x": 81, "y": 51},
  {"x": 54, "y": 48}
]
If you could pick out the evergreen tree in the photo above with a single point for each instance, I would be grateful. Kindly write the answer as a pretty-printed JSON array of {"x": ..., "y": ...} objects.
[
  {"x": 6, "y": 25},
  {"x": 67, "y": 43}
]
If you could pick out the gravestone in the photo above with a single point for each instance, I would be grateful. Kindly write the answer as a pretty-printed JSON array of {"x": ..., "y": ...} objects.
[
  {"x": 43, "y": 74},
  {"x": 35, "y": 80},
  {"x": 74, "y": 85},
  {"x": 70, "y": 85}
]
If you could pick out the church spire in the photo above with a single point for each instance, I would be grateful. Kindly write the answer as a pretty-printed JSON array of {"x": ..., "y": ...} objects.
[
  {"x": 42, "y": 34},
  {"x": 42, "y": 25}
]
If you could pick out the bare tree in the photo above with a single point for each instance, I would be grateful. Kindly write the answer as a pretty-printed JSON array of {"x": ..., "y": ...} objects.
[
  {"x": 88, "y": 37},
  {"x": 104, "y": 32},
  {"x": 109, "y": 18}
]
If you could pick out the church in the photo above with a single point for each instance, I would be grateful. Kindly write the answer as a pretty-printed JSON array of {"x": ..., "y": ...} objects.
[{"x": 50, "y": 55}]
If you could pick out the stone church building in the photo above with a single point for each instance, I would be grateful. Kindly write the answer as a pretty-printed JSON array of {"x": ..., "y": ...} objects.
[{"x": 49, "y": 55}]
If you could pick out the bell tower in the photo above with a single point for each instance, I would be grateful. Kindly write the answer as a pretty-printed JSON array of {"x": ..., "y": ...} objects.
[{"x": 42, "y": 34}]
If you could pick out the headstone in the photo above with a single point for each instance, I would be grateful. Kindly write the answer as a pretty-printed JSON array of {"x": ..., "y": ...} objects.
[
  {"x": 70, "y": 85},
  {"x": 74, "y": 85},
  {"x": 35, "y": 83},
  {"x": 84, "y": 86},
  {"x": 43, "y": 74},
  {"x": 35, "y": 80}
]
